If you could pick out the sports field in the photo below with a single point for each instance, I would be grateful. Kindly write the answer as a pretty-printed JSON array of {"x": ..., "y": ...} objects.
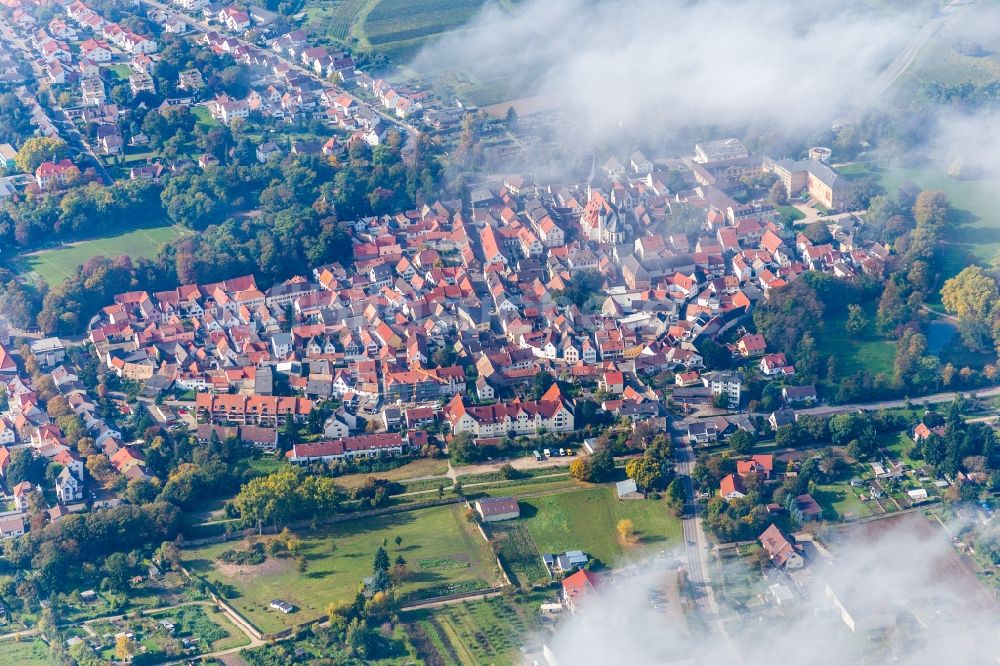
[
  {"x": 444, "y": 554},
  {"x": 55, "y": 265}
]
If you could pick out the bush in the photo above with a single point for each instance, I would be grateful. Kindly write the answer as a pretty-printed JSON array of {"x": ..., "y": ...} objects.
[{"x": 255, "y": 555}]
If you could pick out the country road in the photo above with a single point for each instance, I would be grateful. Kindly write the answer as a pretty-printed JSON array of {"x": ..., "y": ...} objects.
[
  {"x": 902, "y": 62},
  {"x": 696, "y": 547}
]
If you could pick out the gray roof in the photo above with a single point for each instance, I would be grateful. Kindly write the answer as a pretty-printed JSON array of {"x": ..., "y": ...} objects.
[
  {"x": 720, "y": 149},
  {"x": 823, "y": 172},
  {"x": 624, "y": 488}
]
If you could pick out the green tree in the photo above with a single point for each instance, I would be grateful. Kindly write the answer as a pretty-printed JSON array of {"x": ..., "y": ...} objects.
[
  {"x": 742, "y": 441},
  {"x": 856, "y": 320},
  {"x": 676, "y": 495},
  {"x": 117, "y": 572},
  {"x": 462, "y": 448},
  {"x": 778, "y": 194},
  {"x": 602, "y": 465},
  {"x": 818, "y": 232}
]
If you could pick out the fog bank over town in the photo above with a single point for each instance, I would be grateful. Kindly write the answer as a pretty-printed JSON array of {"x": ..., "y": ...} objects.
[
  {"x": 904, "y": 578},
  {"x": 641, "y": 64}
]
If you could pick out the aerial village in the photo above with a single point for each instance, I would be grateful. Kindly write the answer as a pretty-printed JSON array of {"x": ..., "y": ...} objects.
[{"x": 539, "y": 351}]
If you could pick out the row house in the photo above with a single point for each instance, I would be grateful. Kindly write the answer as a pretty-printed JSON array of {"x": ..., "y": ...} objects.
[
  {"x": 549, "y": 414},
  {"x": 271, "y": 411},
  {"x": 348, "y": 449}
]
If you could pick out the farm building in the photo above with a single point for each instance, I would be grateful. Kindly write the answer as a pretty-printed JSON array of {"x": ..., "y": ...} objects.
[
  {"x": 628, "y": 489},
  {"x": 492, "y": 509}
]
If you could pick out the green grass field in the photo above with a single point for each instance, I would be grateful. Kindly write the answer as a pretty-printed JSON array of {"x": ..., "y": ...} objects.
[
  {"x": 791, "y": 213},
  {"x": 976, "y": 218},
  {"x": 870, "y": 351},
  {"x": 443, "y": 551},
  {"x": 586, "y": 520},
  {"x": 121, "y": 72},
  {"x": 204, "y": 117},
  {"x": 55, "y": 265},
  {"x": 25, "y": 653},
  {"x": 900, "y": 445},
  {"x": 840, "y": 502}
]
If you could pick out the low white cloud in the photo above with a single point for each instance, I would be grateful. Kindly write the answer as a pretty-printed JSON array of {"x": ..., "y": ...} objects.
[
  {"x": 942, "y": 614},
  {"x": 648, "y": 63}
]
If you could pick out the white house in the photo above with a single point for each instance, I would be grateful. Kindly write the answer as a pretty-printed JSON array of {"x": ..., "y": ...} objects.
[{"x": 68, "y": 487}]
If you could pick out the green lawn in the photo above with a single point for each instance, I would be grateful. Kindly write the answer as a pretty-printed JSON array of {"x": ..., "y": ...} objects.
[
  {"x": 870, "y": 351},
  {"x": 204, "y": 117},
  {"x": 417, "y": 468},
  {"x": 55, "y": 265},
  {"x": 840, "y": 502},
  {"x": 855, "y": 169},
  {"x": 899, "y": 445},
  {"x": 791, "y": 213},
  {"x": 121, "y": 72},
  {"x": 25, "y": 653},
  {"x": 586, "y": 520},
  {"x": 443, "y": 551}
]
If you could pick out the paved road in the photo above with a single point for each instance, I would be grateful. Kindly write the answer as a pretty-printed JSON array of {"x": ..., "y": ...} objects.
[
  {"x": 937, "y": 398},
  {"x": 696, "y": 546},
  {"x": 906, "y": 57}
]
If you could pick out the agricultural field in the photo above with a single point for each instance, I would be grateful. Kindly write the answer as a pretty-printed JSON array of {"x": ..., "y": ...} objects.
[
  {"x": 398, "y": 30},
  {"x": 335, "y": 18},
  {"x": 475, "y": 632},
  {"x": 56, "y": 264},
  {"x": 586, "y": 520},
  {"x": 444, "y": 552},
  {"x": 208, "y": 624},
  {"x": 402, "y": 20},
  {"x": 395, "y": 28},
  {"x": 25, "y": 653},
  {"x": 518, "y": 553}
]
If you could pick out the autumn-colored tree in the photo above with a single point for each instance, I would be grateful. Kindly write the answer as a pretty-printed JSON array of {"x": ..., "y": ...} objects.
[
  {"x": 626, "y": 530},
  {"x": 581, "y": 469},
  {"x": 36, "y": 150}
]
